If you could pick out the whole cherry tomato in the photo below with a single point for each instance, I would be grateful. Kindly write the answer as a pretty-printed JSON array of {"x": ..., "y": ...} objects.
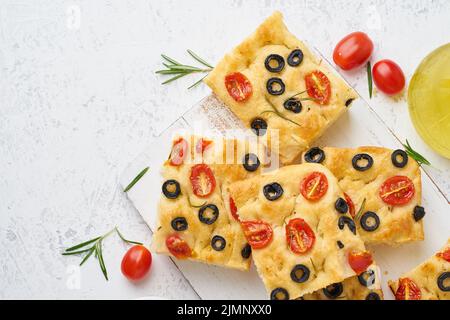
[
  {"x": 353, "y": 50},
  {"x": 136, "y": 263},
  {"x": 388, "y": 77}
]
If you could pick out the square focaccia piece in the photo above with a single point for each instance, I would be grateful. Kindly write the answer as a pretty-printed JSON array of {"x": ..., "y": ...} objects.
[
  {"x": 428, "y": 281},
  {"x": 366, "y": 286},
  {"x": 297, "y": 223},
  {"x": 272, "y": 81},
  {"x": 196, "y": 219},
  {"x": 382, "y": 188}
]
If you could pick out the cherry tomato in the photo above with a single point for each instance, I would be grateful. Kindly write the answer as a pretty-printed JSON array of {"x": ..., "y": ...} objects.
[
  {"x": 202, "y": 145},
  {"x": 179, "y": 151},
  {"x": 359, "y": 261},
  {"x": 445, "y": 255},
  {"x": 202, "y": 180},
  {"x": 397, "y": 190},
  {"x": 233, "y": 209},
  {"x": 314, "y": 186},
  {"x": 136, "y": 263},
  {"x": 351, "y": 205},
  {"x": 407, "y": 290},
  {"x": 299, "y": 236},
  {"x": 353, "y": 50},
  {"x": 388, "y": 77},
  {"x": 318, "y": 87},
  {"x": 238, "y": 86},
  {"x": 258, "y": 233},
  {"x": 178, "y": 247}
]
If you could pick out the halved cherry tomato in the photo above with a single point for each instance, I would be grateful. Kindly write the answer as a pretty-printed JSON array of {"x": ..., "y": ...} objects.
[
  {"x": 202, "y": 145},
  {"x": 136, "y": 263},
  {"x": 202, "y": 180},
  {"x": 397, "y": 190},
  {"x": 233, "y": 209},
  {"x": 314, "y": 186},
  {"x": 179, "y": 152},
  {"x": 351, "y": 205},
  {"x": 359, "y": 261},
  {"x": 353, "y": 50},
  {"x": 407, "y": 290},
  {"x": 445, "y": 255},
  {"x": 299, "y": 236},
  {"x": 318, "y": 87},
  {"x": 178, "y": 247},
  {"x": 238, "y": 86},
  {"x": 388, "y": 77},
  {"x": 258, "y": 233}
]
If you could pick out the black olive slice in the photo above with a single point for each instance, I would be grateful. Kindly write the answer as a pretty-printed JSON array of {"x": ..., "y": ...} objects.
[
  {"x": 341, "y": 205},
  {"x": 369, "y": 221},
  {"x": 418, "y": 213},
  {"x": 349, "y": 102},
  {"x": 251, "y": 162},
  {"x": 333, "y": 290},
  {"x": 373, "y": 296},
  {"x": 367, "y": 278},
  {"x": 293, "y": 104},
  {"x": 295, "y": 58},
  {"x": 359, "y": 157},
  {"x": 272, "y": 191},
  {"x": 441, "y": 281},
  {"x": 394, "y": 158},
  {"x": 246, "y": 251},
  {"x": 275, "y": 86},
  {"x": 206, "y": 218},
  {"x": 300, "y": 273},
  {"x": 279, "y": 294},
  {"x": 259, "y": 126},
  {"x": 171, "y": 189},
  {"x": 274, "y": 58},
  {"x": 179, "y": 224},
  {"x": 344, "y": 220},
  {"x": 315, "y": 155},
  {"x": 218, "y": 243},
  {"x": 340, "y": 244}
]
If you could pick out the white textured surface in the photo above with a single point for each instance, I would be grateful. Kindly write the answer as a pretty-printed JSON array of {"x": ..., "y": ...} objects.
[{"x": 78, "y": 101}]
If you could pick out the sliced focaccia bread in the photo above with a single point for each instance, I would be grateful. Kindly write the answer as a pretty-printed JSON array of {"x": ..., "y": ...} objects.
[
  {"x": 274, "y": 83},
  {"x": 196, "y": 220},
  {"x": 428, "y": 281},
  {"x": 382, "y": 188},
  {"x": 297, "y": 223}
]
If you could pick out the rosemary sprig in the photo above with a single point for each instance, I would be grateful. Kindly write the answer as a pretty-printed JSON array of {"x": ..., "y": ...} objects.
[
  {"x": 278, "y": 113},
  {"x": 178, "y": 70},
  {"x": 360, "y": 211},
  {"x": 302, "y": 99},
  {"x": 136, "y": 179},
  {"x": 369, "y": 78},
  {"x": 415, "y": 155}
]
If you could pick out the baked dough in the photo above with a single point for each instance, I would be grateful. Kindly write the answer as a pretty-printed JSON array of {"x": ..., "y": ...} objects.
[
  {"x": 198, "y": 235},
  {"x": 397, "y": 224},
  {"x": 327, "y": 259},
  {"x": 248, "y": 58},
  {"x": 427, "y": 275}
]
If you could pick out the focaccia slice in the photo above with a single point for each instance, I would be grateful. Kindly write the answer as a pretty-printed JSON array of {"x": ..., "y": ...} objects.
[
  {"x": 371, "y": 176},
  {"x": 302, "y": 236},
  {"x": 196, "y": 219},
  {"x": 428, "y": 281},
  {"x": 305, "y": 95}
]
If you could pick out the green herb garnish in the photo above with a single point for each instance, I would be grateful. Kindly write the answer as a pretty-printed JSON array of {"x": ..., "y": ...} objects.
[
  {"x": 369, "y": 78},
  {"x": 136, "y": 179},
  {"x": 360, "y": 211},
  {"x": 415, "y": 155},
  {"x": 275, "y": 111}
]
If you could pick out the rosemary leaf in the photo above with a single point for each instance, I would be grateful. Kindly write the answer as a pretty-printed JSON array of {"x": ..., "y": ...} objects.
[
  {"x": 281, "y": 116},
  {"x": 91, "y": 250},
  {"x": 174, "y": 78},
  {"x": 197, "y": 82},
  {"x": 136, "y": 179},
  {"x": 182, "y": 67},
  {"x": 169, "y": 59},
  {"x": 196, "y": 57},
  {"x": 415, "y": 155},
  {"x": 81, "y": 245},
  {"x": 170, "y": 72},
  {"x": 128, "y": 241},
  {"x": 100, "y": 259},
  {"x": 369, "y": 78},
  {"x": 360, "y": 211},
  {"x": 75, "y": 252}
]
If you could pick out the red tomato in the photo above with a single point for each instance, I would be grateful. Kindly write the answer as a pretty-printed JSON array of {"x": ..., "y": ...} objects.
[
  {"x": 258, "y": 233},
  {"x": 233, "y": 209},
  {"x": 136, "y": 263},
  {"x": 397, "y": 190},
  {"x": 299, "y": 236},
  {"x": 202, "y": 145},
  {"x": 179, "y": 151},
  {"x": 318, "y": 87},
  {"x": 388, "y": 77},
  {"x": 202, "y": 180},
  {"x": 353, "y": 51},
  {"x": 445, "y": 255},
  {"x": 359, "y": 261},
  {"x": 314, "y": 186},
  {"x": 178, "y": 247},
  {"x": 238, "y": 86},
  {"x": 407, "y": 290},
  {"x": 351, "y": 205}
]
